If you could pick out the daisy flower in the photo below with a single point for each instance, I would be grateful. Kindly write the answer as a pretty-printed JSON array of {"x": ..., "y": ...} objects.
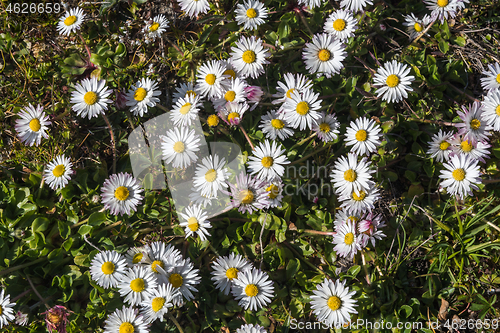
[
  {"x": 120, "y": 193},
  {"x": 56, "y": 318},
  {"x": 491, "y": 109},
  {"x": 249, "y": 194},
  {"x": 156, "y": 28},
  {"x": 332, "y": 303},
  {"x": 183, "y": 279},
  {"x": 90, "y": 98},
  {"x": 7, "y": 313},
  {"x": 252, "y": 289},
  {"x": 363, "y": 135},
  {"x": 185, "y": 111},
  {"x": 250, "y": 328},
  {"x": 71, "y": 21},
  {"x": 196, "y": 198},
  {"x": 478, "y": 151},
  {"x": 233, "y": 93},
  {"x": 461, "y": 176},
  {"x": 273, "y": 125},
  {"x": 157, "y": 305},
  {"x": 213, "y": 120},
  {"x": 136, "y": 256},
  {"x": 341, "y": 24},
  {"x": 394, "y": 81},
  {"x": 268, "y": 161},
  {"x": 125, "y": 320},
  {"x": 346, "y": 241},
  {"x": 230, "y": 72},
  {"x": 368, "y": 229},
  {"x": 32, "y": 125},
  {"x": 439, "y": 147},
  {"x": 210, "y": 176},
  {"x": 442, "y": 9},
  {"x": 195, "y": 222},
  {"x": 58, "y": 171},
  {"x": 137, "y": 285},
  {"x": 358, "y": 204},
  {"x": 274, "y": 192},
  {"x": 251, "y": 14},
  {"x": 324, "y": 55},
  {"x": 416, "y": 25},
  {"x": 179, "y": 147},
  {"x": 226, "y": 269},
  {"x": 310, "y": 3},
  {"x": 326, "y": 127},
  {"x": 254, "y": 95},
  {"x": 183, "y": 91},
  {"x": 474, "y": 127},
  {"x": 249, "y": 57},
  {"x": 492, "y": 79},
  {"x": 162, "y": 257},
  {"x": 343, "y": 216},
  {"x": 209, "y": 78},
  {"x": 293, "y": 83},
  {"x": 194, "y": 7},
  {"x": 21, "y": 318},
  {"x": 355, "y": 5},
  {"x": 232, "y": 113},
  {"x": 141, "y": 95},
  {"x": 107, "y": 268},
  {"x": 350, "y": 175},
  {"x": 301, "y": 110}
]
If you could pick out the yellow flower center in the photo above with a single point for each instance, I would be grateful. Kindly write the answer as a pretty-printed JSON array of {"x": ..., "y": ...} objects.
[
  {"x": 444, "y": 145},
  {"x": 251, "y": 13},
  {"x": 361, "y": 135},
  {"x": 59, "y": 171},
  {"x": 498, "y": 78},
  {"x": 185, "y": 108},
  {"x": 137, "y": 285},
  {"x": 458, "y": 174},
  {"x": 349, "y": 238},
  {"x": 392, "y": 80},
  {"x": 70, "y": 20},
  {"x": 289, "y": 93},
  {"x": 324, "y": 55},
  {"x": 324, "y": 127},
  {"x": 193, "y": 224},
  {"x": 334, "y": 303},
  {"x": 190, "y": 93},
  {"x": 251, "y": 290},
  {"x": 418, "y": 27},
  {"x": 126, "y": 327},
  {"x": 232, "y": 116},
  {"x": 154, "y": 26},
  {"x": 339, "y": 24},
  {"x": 35, "y": 125},
  {"x": 140, "y": 94},
  {"x": 210, "y": 79},
  {"x": 213, "y": 120},
  {"x": 156, "y": 263},
  {"x": 137, "y": 257},
  {"x": 108, "y": 267},
  {"x": 352, "y": 219},
  {"x": 267, "y": 162},
  {"x": 277, "y": 123},
  {"x": 232, "y": 273},
  {"x": 179, "y": 147},
  {"x": 122, "y": 193},
  {"x": 475, "y": 124},
  {"x": 249, "y": 56},
  {"x": 1, "y": 310},
  {"x": 90, "y": 98},
  {"x": 302, "y": 108},
  {"x": 157, "y": 303},
  {"x": 497, "y": 110},
  {"x": 246, "y": 196},
  {"x": 466, "y": 146},
  {"x": 230, "y": 72},
  {"x": 176, "y": 280},
  {"x": 442, "y": 3},
  {"x": 350, "y": 175},
  {"x": 211, "y": 175},
  {"x": 230, "y": 96},
  {"x": 361, "y": 196}
]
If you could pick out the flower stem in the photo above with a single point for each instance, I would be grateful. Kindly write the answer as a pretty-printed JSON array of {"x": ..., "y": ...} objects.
[
  {"x": 246, "y": 136},
  {"x": 112, "y": 140},
  {"x": 86, "y": 46},
  {"x": 15, "y": 268},
  {"x": 172, "y": 318},
  {"x": 36, "y": 292},
  {"x": 304, "y": 21},
  {"x": 316, "y": 232}
]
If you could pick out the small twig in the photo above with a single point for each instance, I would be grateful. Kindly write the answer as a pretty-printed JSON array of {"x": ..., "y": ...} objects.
[
  {"x": 304, "y": 21},
  {"x": 260, "y": 241},
  {"x": 172, "y": 318},
  {"x": 366, "y": 65},
  {"x": 246, "y": 136},
  {"x": 86, "y": 46},
  {"x": 36, "y": 292},
  {"x": 112, "y": 140},
  {"x": 323, "y": 233},
  {"x": 88, "y": 242},
  {"x": 367, "y": 276},
  {"x": 423, "y": 32}
]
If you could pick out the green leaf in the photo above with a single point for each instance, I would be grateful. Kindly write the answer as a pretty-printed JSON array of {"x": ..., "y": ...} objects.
[
  {"x": 97, "y": 218},
  {"x": 84, "y": 229},
  {"x": 40, "y": 224},
  {"x": 443, "y": 46},
  {"x": 292, "y": 268},
  {"x": 64, "y": 229}
]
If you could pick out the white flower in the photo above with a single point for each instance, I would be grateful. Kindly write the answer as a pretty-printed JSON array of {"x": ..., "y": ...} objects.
[
  {"x": 194, "y": 7},
  {"x": 341, "y": 24},
  {"x": 210, "y": 176},
  {"x": 251, "y": 14},
  {"x": 125, "y": 320},
  {"x": 249, "y": 57},
  {"x": 332, "y": 303},
  {"x": 32, "y": 125},
  {"x": 209, "y": 79},
  {"x": 347, "y": 243},
  {"x": 358, "y": 204},
  {"x": 368, "y": 229},
  {"x": 491, "y": 109},
  {"x": 268, "y": 161},
  {"x": 141, "y": 95},
  {"x": 195, "y": 222},
  {"x": 157, "y": 27},
  {"x": 230, "y": 72},
  {"x": 416, "y": 25},
  {"x": 478, "y": 151},
  {"x": 274, "y": 192},
  {"x": 203, "y": 200},
  {"x": 249, "y": 328},
  {"x": 439, "y": 147},
  {"x": 179, "y": 147},
  {"x": 184, "y": 90},
  {"x": 185, "y": 111},
  {"x": 461, "y": 176},
  {"x": 363, "y": 135},
  {"x": 120, "y": 193},
  {"x": 442, "y": 9},
  {"x": 137, "y": 285},
  {"x": 183, "y": 279},
  {"x": 157, "y": 305},
  {"x": 252, "y": 289},
  {"x": 355, "y": 5},
  {"x": 226, "y": 269},
  {"x": 492, "y": 79},
  {"x": 274, "y": 125},
  {"x": 90, "y": 98},
  {"x": 310, "y": 3},
  {"x": 293, "y": 83},
  {"x": 108, "y": 268},
  {"x": 136, "y": 256},
  {"x": 71, "y": 21},
  {"x": 350, "y": 175},
  {"x": 324, "y": 55},
  {"x": 58, "y": 171},
  {"x": 7, "y": 313},
  {"x": 249, "y": 194},
  {"x": 234, "y": 92},
  {"x": 232, "y": 113},
  {"x": 394, "y": 81},
  {"x": 301, "y": 110},
  {"x": 161, "y": 258},
  {"x": 326, "y": 127},
  {"x": 342, "y": 216},
  {"x": 474, "y": 127}
]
